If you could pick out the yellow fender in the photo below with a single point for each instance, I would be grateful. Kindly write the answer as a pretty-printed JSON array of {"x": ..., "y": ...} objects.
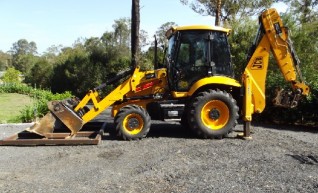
[{"x": 208, "y": 81}]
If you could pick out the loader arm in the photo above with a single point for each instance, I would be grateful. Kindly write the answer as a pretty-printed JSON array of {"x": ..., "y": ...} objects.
[
  {"x": 99, "y": 105},
  {"x": 272, "y": 37},
  {"x": 74, "y": 113},
  {"x": 140, "y": 85}
]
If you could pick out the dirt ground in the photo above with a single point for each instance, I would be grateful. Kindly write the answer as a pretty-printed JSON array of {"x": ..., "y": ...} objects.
[{"x": 170, "y": 159}]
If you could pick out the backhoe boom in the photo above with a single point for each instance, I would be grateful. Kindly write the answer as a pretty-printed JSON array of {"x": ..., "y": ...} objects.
[{"x": 271, "y": 37}]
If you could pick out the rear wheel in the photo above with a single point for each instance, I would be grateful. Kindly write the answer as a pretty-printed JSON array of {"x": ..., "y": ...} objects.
[
  {"x": 132, "y": 122},
  {"x": 213, "y": 114}
]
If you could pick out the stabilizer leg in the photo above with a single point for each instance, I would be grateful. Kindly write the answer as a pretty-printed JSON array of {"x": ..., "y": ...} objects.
[{"x": 246, "y": 131}]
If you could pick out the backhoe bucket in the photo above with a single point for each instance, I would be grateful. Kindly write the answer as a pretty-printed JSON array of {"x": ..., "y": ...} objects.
[
  {"x": 286, "y": 99},
  {"x": 61, "y": 116}
]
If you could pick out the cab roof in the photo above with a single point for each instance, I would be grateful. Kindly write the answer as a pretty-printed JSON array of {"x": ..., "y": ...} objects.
[{"x": 172, "y": 30}]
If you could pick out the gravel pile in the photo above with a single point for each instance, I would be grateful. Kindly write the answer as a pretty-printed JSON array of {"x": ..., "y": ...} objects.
[{"x": 170, "y": 159}]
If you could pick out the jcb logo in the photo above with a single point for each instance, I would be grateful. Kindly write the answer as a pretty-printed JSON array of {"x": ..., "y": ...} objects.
[{"x": 257, "y": 64}]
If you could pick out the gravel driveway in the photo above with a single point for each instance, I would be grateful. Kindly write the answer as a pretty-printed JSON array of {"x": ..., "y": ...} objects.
[{"x": 170, "y": 159}]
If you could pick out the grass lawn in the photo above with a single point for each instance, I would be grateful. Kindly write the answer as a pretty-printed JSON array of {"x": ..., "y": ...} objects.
[{"x": 11, "y": 104}]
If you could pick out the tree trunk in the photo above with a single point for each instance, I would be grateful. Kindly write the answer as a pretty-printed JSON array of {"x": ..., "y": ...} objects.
[
  {"x": 135, "y": 23},
  {"x": 218, "y": 12}
]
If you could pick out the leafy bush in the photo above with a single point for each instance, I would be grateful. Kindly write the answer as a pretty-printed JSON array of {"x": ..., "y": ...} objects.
[
  {"x": 16, "y": 88},
  {"x": 27, "y": 114},
  {"x": 40, "y": 107},
  {"x": 11, "y": 76}
]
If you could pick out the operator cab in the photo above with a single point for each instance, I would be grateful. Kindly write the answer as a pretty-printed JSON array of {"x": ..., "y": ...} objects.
[{"x": 196, "y": 52}]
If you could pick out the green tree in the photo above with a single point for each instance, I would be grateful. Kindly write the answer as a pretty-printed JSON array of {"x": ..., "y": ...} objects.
[
  {"x": 24, "y": 62},
  {"x": 143, "y": 38},
  {"x": 40, "y": 74},
  {"x": 227, "y": 10},
  {"x": 304, "y": 11},
  {"x": 11, "y": 76},
  {"x": 22, "y": 46},
  {"x": 161, "y": 31},
  {"x": 51, "y": 53},
  {"x": 23, "y": 55},
  {"x": 69, "y": 73},
  {"x": 108, "y": 39},
  {"x": 5, "y": 60},
  {"x": 122, "y": 31},
  {"x": 148, "y": 56},
  {"x": 240, "y": 39},
  {"x": 89, "y": 63}
]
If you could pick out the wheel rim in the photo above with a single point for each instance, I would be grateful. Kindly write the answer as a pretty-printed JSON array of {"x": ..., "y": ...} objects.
[
  {"x": 215, "y": 114},
  {"x": 133, "y": 124}
]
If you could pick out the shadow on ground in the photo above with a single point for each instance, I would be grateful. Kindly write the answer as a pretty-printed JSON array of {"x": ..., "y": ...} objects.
[
  {"x": 175, "y": 130},
  {"x": 295, "y": 128},
  {"x": 158, "y": 129}
]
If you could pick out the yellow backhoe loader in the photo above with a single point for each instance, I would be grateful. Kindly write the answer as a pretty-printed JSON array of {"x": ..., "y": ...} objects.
[{"x": 195, "y": 85}]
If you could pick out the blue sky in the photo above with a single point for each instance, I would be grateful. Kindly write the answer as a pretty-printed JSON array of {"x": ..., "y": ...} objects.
[{"x": 55, "y": 22}]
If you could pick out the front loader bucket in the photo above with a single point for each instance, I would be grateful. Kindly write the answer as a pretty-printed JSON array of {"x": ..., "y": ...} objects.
[
  {"x": 61, "y": 116},
  {"x": 47, "y": 124}
]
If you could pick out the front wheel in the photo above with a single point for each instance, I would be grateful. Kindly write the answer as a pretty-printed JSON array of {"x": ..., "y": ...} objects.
[
  {"x": 132, "y": 122},
  {"x": 213, "y": 114}
]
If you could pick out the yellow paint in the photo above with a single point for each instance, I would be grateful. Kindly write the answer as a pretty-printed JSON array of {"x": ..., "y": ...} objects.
[
  {"x": 173, "y": 30},
  {"x": 201, "y": 27},
  {"x": 223, "y": 80}
]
